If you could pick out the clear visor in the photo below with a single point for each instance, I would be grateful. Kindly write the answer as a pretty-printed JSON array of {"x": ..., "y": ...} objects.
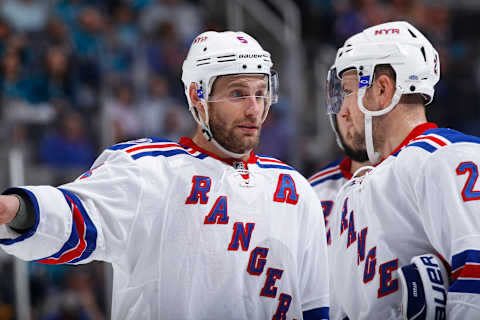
[
  {"x": 274, "y": 85},
  {"x": 238, "y": 95},
  {"x": 335, "y": 93}
]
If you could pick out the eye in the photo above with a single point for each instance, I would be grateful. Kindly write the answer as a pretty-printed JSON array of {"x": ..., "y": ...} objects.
[
  {"x": 260, "y": 93},
  {"x": 346, "y": 92},
  {"x": 236, "y": 94}
]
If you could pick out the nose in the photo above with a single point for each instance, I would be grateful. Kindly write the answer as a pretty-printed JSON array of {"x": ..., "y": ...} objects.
[
  {"x": 254, "y": 106},
  {"x": 344, "y": 112}
]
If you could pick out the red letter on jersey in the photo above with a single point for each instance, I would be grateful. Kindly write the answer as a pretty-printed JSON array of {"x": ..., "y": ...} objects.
[
  {"x": 269, "y": 289},
  {"x": 283, "y": 305},
  {"x": 218, "y": 214},
  {"x": 387, "y": 285},
  {"x": 240, "y": 235},
  {"x": 258, "y": 259},
  {"x": 286, "y": 190},
  {"x": 200, "y": 188}
]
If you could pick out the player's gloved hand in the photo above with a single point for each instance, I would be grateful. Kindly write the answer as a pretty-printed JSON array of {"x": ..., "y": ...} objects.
[
  {"x": 8, "y": 208},
  {"x": 424, "y": 288}
]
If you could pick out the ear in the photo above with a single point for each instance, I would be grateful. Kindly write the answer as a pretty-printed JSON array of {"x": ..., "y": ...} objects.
[
  {"x": 384, "y": 90},
  {"x": 196, "y": 102}
]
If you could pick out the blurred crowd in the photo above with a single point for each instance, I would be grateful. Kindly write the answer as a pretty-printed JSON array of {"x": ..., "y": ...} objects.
[{"x": 79, "y": 75}]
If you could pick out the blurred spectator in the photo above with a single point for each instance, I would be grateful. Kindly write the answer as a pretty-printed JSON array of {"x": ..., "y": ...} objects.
[
  {"x": 176, "y": 13},
  {"x": 67, "y": 150},
  {"x": 155, "y": 106},
  {"x": 57, "y": 34},
  {"x": 165, "y": 55},
  {"x": 122, "y": 114},
  {"x": 275, "y": 137},
  {"x": 59, "y": 78},
  {"x": 79, "y": 298},
  {"x": 5, "y": 33},
  {"x": 25, "y": 15},
  {"x": 178, "y": 123},
  {"x": 122, "y": 42}
]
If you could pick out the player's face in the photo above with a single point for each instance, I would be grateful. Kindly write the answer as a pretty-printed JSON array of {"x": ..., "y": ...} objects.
[
  {"x": 237, "y": 115},
  {"x": 350, "y": 120}
]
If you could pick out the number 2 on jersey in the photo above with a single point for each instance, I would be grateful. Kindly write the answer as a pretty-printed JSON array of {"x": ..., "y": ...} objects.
[{"x": 468, "y": 194}]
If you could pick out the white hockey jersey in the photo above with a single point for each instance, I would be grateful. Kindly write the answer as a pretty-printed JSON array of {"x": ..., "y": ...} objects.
[
  {"x": 189, "y": 235},
  {"x": 423, "y": 198},
  {"x": 326, "y": 183}
]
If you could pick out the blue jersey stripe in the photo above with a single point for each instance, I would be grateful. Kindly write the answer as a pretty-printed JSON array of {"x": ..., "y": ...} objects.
[
  {"x": 167, "y": 153},
  {"x": 464, "y": 257},
  {"x": 332, "y": 177},
  {"x": 124, "y": 145},
  {"x": 32, "y": 231},
  {"x": 424, "y": 145},
  {"x": 318, "y": 313},
  {"x": 276, "y": 166},
  {"x": 91, "y": 231},
  {"x": 453, "y": 135},
  {"x": 121, "y": 146},
  {"x": 465, "y": 286},
  {"x": 73, "y": 240}
]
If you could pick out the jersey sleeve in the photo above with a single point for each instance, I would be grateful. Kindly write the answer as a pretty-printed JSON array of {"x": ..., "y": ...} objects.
[
  {"x": 314, "y": 276},
  {"x": 87, "y": 219},
  {"x": 449, "y": 195}
]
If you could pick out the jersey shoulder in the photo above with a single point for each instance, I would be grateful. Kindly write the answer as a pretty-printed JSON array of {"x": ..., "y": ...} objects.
[
  {"x": 267, "y": 162},
  {"x": 440, "y": 138},
  {"x": 155, "y": 147},
  {"x": 329, "y": 173}
]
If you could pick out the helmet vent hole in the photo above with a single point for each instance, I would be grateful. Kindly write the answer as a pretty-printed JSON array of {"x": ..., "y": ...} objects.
[
  {"x": 411, "y": 32},
  {"x": 412, "y": 88},
  {"x": 205, "y": 49},
  {"x": 244, "y": 66},
  {"x": 423, "y": 53},
  {"x": 259, "y": 66}
]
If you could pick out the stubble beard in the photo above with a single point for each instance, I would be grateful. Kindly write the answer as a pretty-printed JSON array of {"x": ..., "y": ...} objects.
[
  {"x": 358, "y": 150},
  {"x": 231, "y": 139}
]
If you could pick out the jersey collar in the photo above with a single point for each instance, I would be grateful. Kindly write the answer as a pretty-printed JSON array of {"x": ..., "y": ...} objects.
[
  {"x": 346, "y": 167},
  {"x": 418, "y": 130},
  {"x": 188, "y": 142}
]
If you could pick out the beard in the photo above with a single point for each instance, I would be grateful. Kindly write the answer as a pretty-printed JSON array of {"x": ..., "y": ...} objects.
[
  {"x": 229, "y": 138},
  {"x": 357, "y": 151}
]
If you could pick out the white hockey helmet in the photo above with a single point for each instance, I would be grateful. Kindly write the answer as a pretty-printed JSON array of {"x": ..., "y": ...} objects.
[
  {"x": 214, "y": 54},
  {"x": 399, "y": 44}
]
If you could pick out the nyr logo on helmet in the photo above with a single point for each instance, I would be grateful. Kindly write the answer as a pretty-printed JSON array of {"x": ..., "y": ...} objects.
[
  {"x": 242, "y": 39},
  {"x": 200, "y": 39},
  {"x": 386, "y": 31},
  {"x": 364, "y": 81}
]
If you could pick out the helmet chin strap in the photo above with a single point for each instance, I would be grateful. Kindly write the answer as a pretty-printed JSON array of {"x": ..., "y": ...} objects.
[
  {"x": 209, "y": 136},
  {"x": 374, "y": 156}
]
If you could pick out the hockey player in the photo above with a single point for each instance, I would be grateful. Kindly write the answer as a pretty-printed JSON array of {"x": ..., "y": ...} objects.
[
  {"x": 391, "y": 227},
  {"x": 328, "y": 180},
  {"x": 200, "y": 229}
]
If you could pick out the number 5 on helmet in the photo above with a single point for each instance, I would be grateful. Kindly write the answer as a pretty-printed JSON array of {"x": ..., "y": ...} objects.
[{"x": 424, "y": 285}]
